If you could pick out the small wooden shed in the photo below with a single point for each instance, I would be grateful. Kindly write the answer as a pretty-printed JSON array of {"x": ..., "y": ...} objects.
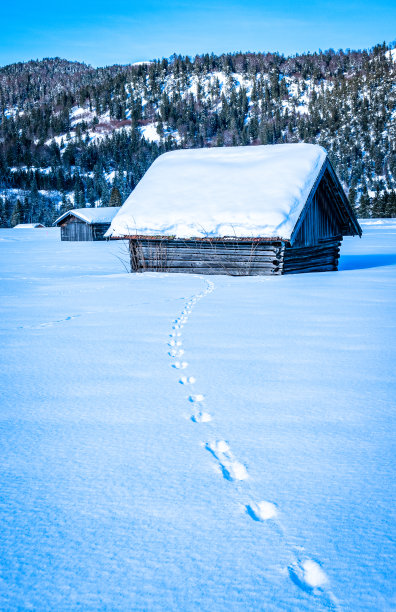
[
  {"x": 86, "y": 223},
  {"x": 276, "y": 209}
]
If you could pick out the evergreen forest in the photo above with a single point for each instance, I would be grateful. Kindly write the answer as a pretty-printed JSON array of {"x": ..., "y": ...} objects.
[{"x": 73, "y": 136}]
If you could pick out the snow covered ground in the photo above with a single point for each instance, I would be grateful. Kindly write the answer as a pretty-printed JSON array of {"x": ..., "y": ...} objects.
[{"x": 251, "y": 472}]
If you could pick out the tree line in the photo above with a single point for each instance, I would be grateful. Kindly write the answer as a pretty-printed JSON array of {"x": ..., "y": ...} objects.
[{"x": 49, "y": 161}]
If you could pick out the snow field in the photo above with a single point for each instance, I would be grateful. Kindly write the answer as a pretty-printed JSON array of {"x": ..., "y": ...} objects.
[{"x": 118, "y": 492}]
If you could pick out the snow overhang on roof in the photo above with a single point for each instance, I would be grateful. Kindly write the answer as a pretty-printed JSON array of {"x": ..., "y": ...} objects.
[
  {"x": 103, "y": 214},
  {"x": 228, "y": 191}
]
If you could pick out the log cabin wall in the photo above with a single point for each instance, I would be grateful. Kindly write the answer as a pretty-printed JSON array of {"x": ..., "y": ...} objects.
[
  {"x": 322, "y": 257},
  {"x": 234, "y": 258},
  {"x": 231, "y": 257},
  {"x": 74, "y": 229}
]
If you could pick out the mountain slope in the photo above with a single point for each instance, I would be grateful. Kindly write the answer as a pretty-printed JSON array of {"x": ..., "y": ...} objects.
[{"x": 68, "y": 132}]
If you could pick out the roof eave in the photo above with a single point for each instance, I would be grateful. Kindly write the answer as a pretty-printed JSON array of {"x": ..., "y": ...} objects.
[
  {"x": 72, "y": 214},
  {"x": 228, "y": 239}
]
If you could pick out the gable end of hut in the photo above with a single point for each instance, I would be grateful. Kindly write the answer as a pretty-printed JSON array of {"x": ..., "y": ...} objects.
[{"x": 327, "y": 217}]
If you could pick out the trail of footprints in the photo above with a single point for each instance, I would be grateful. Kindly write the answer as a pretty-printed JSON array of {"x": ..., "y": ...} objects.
[
  {"x": 304, "y": 572},
  {"x": 49, "y": 323}
]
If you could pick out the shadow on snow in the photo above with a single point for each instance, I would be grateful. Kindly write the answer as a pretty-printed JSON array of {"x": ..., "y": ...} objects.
[{"x": 360, "y": 262}]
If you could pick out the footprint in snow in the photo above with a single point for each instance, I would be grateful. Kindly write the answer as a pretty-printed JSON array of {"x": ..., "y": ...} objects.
[
  {"x": 230, "y": 467},
  {"x": 180, "y": 365},
  {"x": 176, "y": 353},
  {"x": 262, "y": 511},
  {"x": 308, "y": 575},
  {"x": 201, "y": 417},
  {"x": 187, "y": 380},
  {"x": 233, "y": 470},
  {"x": 175, "y": 343},
  {"x": 196, "y": 398},
  {"x": 221, "y": 446}
]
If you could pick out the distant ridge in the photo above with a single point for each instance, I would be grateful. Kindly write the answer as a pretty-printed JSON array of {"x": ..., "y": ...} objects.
[{"x": 70, "y": 132}]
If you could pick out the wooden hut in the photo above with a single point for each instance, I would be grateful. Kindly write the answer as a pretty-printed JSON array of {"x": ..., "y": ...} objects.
[
  {"x": 86, "y": 223},
  {"x": 277, "y": 209}
]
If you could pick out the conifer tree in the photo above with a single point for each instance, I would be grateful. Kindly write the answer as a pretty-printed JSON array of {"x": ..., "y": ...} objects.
[
  {"x": 115, "y": 197},
  {"x": 3, "y": 219},
  {"x": 17, "y": 213}
]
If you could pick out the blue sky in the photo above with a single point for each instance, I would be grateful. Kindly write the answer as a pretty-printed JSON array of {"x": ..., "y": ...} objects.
[{"x": 107, "y": 32}]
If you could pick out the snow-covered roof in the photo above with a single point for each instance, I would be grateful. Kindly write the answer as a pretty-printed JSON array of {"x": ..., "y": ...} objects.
[
  {"x": 103, "y": 214},
  {"x": 28, "y": 225},
  {"x": 227, "y": 191}
]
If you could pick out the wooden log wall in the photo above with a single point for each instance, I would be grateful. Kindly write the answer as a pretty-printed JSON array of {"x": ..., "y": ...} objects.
[
  {"x": 235, "y": 258},
  {"x": 320, "y": 258}
]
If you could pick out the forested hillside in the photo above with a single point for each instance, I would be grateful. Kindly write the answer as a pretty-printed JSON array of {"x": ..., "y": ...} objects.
[{"x": 72, "y": 135}]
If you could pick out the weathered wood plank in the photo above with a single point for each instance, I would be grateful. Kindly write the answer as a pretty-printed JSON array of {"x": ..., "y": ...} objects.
[
  {"x": 170, "y": 258},
  {"x": 311, "y": 250},
  {"x": 329, "y": 265},
  {"x": 308, "y": 253},
  {"x": 304, "y": 264},
  {"x": 307, "y": 260},
  {"x": 218, "y": 265},
  {"x": 186, "y": 249},
  {"x": 195, "y": 249}
]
